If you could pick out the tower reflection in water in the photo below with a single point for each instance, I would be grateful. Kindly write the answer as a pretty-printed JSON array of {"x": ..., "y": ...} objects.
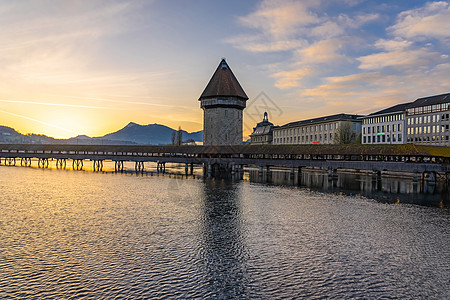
[
  {"x": 382, "y": 188},
  {"x": 221, "y": 242}
]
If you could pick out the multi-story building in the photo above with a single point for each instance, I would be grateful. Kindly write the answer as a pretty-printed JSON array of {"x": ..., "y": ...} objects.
[
  {"x": 323, "y": 130},
  {"x": 428, "y": 121},
  {"x": 386, "y": 126},
  {"x": 263, "y": 132}
]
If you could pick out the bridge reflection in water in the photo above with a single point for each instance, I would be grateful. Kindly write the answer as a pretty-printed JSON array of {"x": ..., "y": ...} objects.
[{"x": 387, "y": 189}]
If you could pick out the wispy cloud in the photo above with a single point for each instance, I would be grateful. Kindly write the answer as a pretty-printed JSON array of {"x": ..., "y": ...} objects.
[
  {"x": 334, "y": 61},
  {"x": 40, "y": 122},
  {"x": 430, "y": 21}
]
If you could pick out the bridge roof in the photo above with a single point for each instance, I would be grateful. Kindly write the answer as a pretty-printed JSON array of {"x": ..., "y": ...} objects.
[
  {"x": 223, "y": 83},
  {"x": 351, "y": 149}
]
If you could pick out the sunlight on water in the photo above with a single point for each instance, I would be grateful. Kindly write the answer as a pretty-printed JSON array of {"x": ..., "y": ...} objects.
[{"x": 104, "y": 235}]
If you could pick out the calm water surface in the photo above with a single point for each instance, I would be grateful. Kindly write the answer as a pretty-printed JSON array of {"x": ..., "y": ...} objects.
[{"x": 75, "y": 234}]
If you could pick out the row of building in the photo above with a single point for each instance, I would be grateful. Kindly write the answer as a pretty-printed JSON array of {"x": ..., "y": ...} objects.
[{"x": 425, "y": 121}]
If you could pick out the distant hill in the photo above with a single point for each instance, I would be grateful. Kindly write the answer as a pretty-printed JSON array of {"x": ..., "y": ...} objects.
[
  {"x": 9, "y": 135},
  {"x": 152, "y": 134}
]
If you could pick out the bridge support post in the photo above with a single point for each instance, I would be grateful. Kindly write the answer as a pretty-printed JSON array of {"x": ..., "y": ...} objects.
[
  {"x": 260, "y": 173},
  {"x": 11, "y": 161},
  {"x": 268, "y": 174},
  {"x": 77, "y": 164},
  {"x": 431, "y": 178},
  {"x": 25, "y": 161},
  {"x": 139, "y": 166},
  {"x": 98, "y": 165},
  {"x": 191, "y": 170},
  {"x": 209, "y": 170},
  {"x": 332, "y": 174},
  {"x": 118, "y": 166},
  {"x": 43, "y": 162},
  {"x": 415, "y": 177},
  {"x": 60, "y": 163},
  {"x": 299, "y": 175},
  {"x": 186, "y": 169}
]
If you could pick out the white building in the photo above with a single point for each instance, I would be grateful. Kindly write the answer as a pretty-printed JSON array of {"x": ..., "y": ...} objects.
[
  {"x": 428, "y": 121},
  {"x": 386, "y": 126},
  {"x": 263, "y": 132},
  {"x": 323, "y": 130}
]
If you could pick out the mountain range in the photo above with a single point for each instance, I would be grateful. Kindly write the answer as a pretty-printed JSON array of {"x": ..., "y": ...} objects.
[{"x": 152, "y": 134}]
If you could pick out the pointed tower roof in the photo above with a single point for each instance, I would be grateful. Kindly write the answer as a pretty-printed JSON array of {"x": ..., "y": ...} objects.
[{"x": 223, "y": 83}]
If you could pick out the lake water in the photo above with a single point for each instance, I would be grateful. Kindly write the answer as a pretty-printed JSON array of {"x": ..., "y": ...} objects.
[{"x": 80, "y": 234}]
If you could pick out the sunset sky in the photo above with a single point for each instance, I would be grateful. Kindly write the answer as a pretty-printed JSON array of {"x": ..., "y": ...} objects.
[{"x": 91, "y": 67}]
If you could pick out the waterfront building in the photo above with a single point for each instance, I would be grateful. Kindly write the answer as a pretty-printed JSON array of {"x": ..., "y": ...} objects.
[
  {"x": 386, "y": 126},
  {"x": 223, "y": 102},
  {"x": 323, "y": 130},
  {"x": 263, "y": 132},
  {"x": 428, "y": 121}
]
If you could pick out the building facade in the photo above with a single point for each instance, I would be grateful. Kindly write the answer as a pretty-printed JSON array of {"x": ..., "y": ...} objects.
[
  {"x": 386, "y": 126},
  {"x": 263, "y": 132},
  {"x": 323, "y": 130},
  {"x": 428, "y": 121},
  {"x": 223, "y": 102}
]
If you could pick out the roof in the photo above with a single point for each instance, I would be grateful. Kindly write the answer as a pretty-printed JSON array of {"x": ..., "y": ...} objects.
[
  {"x": 260, "y": 130},
  {"x": 223, "y": 83},
  {"x": 353, "y": 149},
  {"x": 338, "y": 117},
  {"x": 396, "y": 108},
  {"x": 437, "y": 99}
]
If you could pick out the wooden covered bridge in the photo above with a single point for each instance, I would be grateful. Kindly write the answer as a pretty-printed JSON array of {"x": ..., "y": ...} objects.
[{"x": 232, "y": 159}]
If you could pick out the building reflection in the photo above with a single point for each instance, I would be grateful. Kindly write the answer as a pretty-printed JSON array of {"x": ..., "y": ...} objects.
[{"x": 381, "y": 188}]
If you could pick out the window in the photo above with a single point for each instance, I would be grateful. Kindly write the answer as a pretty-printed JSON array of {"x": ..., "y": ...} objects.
[{"x": 364, "y": 140}]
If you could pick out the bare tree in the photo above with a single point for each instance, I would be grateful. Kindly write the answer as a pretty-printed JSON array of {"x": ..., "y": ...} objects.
[
  {"x": 345, "y": 134},
  {"x": 174, "y": 137},
  {"x": 179, "y": 136}
]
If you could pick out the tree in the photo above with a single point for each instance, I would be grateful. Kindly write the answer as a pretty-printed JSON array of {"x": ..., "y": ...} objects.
[
  {"x": 179, "y": 136},
  {"x": 174, "y": 137},
  {"x": 345, "y": 134}
]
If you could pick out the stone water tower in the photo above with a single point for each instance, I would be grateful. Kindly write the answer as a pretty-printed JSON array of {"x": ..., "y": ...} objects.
[{"x": 223, "y": 102}]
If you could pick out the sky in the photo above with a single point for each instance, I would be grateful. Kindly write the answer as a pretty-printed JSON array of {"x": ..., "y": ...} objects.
[{"x": 91, "y": 67}]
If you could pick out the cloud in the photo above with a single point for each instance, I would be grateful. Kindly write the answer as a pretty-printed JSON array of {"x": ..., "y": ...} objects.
[
  {"x": 260, "y": 43},
  {"x": 281, "y": 19},
  {"x": 400, "y": 59},
  {"x": 289, "y": 79},
  {"x": 430, "y": 21},
  {"x": 324, "y": 51},
  {"x": 327, "y": 30},
  {"x": 358, "y": 20},
  {"x": 392, "y": 45},
  {"x": 344, "y": 61}
]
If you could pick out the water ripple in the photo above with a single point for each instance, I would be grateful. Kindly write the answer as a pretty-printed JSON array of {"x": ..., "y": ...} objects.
[{"x": 84, "y": 235}]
